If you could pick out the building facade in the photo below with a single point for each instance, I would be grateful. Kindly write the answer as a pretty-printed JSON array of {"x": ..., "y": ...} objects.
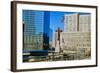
[
  {"x": 77, "y": 22},
  {"x": 76, "y": 38},
  {"x": 73, "y": 40},
  {"x": 35, "y": 29},
  {"x": 71, "y": 22},
  {"x": 85, "y": 23}
]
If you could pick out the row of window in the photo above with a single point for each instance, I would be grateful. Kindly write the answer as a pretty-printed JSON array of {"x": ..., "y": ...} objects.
[{"x": 77, "y": 45}]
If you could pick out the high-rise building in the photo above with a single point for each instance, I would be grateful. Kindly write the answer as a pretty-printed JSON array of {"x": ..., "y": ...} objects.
[
  {"x": 77, "y": 22},
  {"x": 84, "y": 22},
  {"x": 76, "y": 37},
  {"x": 71, "y": 22},
  {"x": 50, "y": 36},
  {"x": 35, "y": 29},
  {"x": 75, "y": 40},
  {"x": 56, "y": 42}
]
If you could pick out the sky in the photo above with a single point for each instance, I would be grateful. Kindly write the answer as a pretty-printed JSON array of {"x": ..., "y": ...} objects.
[{"x": 56, "y": 19}]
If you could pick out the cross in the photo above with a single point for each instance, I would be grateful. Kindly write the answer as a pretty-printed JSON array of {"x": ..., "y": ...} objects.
[{"x": 59, "y": 31}]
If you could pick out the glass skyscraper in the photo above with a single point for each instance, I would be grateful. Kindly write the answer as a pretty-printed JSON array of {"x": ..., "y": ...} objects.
[{"x": 36, "y": 29}]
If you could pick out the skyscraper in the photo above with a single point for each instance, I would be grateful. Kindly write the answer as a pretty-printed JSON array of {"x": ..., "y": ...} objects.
[
  {"x": 71, "y": 22},
  {"x": 77, "y": 35},
  {"x": 36, "y": 29},
  {"x": 85, "y": 21},
  {"x": 77, "y": 22}
]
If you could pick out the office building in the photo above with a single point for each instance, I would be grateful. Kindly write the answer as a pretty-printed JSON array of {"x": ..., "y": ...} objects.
[
  {"x": 85, "y": 23},
  {"x": 77, "y": 22},
  {"x": 71, "y": 22},
  {"x": 76, "y": 38},
  {"x": 35, "y": 29}
]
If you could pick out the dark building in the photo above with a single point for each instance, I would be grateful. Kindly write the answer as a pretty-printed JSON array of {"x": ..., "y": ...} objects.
[{"x": 36, "y": 29}]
